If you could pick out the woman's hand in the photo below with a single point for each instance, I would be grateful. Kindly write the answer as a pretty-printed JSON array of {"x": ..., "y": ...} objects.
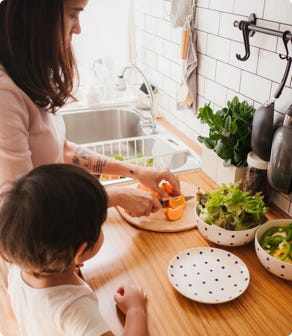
[
  {"x": 151, "y": 177},
  {"x": 136, "y": 202}
]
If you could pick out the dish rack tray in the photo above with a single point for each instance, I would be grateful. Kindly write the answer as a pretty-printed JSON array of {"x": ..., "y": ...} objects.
[{"x": 147, "y": 151}]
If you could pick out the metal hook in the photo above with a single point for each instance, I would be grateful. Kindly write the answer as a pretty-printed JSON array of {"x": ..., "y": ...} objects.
[
  {"x": 243, "y": 25},
  {"x": 285, "y": 41}
]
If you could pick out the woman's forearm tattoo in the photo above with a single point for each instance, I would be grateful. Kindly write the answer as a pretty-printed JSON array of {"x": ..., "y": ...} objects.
[{"x": 83, "y": 158}]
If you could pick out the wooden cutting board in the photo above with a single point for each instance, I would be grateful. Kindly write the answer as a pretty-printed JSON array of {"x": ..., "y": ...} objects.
[{"x": 159, "y": 223}]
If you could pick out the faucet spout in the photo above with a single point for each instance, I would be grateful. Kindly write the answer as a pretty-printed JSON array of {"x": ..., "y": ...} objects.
[{"x": 151, "y": 123}]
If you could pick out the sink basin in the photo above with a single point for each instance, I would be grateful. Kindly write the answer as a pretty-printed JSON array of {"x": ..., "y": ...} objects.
[
  {"x": 117, "y": 132},
  {"x": 89, "y": 125}
]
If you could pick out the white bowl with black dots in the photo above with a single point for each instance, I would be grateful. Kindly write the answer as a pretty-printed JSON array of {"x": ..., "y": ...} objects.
[
  {"x": 274, "y": 265},
  {"x": 220, "y": 236},
  {"x": 208, "y": 275}
]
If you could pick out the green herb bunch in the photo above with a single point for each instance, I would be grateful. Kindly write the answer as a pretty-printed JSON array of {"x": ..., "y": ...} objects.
[{"x": 229, "y": 131}]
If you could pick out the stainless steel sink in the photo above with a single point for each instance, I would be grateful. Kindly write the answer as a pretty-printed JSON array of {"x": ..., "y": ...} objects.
[
  {"x": 117, "y": 131},
  {"x": 87, "y": 125}
]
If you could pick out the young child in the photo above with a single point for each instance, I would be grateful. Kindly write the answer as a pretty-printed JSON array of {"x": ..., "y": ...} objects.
[{"x": 50, "y": 222}]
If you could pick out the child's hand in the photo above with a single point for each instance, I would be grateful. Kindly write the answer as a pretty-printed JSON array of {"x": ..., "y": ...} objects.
[{"x": 130, "y": 297}]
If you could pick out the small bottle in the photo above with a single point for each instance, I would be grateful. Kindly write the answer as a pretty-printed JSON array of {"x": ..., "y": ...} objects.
[{"x": 256, "y": 179}]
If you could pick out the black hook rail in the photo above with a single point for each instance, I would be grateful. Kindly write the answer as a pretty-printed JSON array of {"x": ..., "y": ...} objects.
[{"x": 249, "y": 28}]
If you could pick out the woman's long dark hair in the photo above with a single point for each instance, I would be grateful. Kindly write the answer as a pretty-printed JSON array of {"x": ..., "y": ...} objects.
[{"x": 33, "y": 50}]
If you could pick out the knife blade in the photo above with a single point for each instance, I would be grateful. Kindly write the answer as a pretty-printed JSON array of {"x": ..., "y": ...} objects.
[{"x": 164, "y": 203}]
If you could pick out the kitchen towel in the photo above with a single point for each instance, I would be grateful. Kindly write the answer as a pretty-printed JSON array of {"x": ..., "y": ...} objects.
[
  {"x": 179, "y": 11},
  {"x": 191, "y": 63}
]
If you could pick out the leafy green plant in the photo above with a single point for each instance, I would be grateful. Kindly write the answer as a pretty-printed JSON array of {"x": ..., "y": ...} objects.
[{"x": 229, "y": 131}]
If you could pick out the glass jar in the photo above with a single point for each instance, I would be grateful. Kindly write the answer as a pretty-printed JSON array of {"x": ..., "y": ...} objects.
[{"x": 256, "y": 179}]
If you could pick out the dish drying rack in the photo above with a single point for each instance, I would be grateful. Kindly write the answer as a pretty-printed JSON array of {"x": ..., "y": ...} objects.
[{"x": 146, "y": 151}]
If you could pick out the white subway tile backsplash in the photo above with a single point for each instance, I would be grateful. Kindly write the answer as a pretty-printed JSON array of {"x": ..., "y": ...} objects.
[
  {"x": 250, "y": 64},
  {"x": 203, "y": 3},
  {"x": 171, "y": 51},
  {"x": 247, "y": 7},
  {"x": 156, "y": 8},
  {"x": 201, "y": 84},
  {"x": 164, "y": 65},
  {"x": 166, "y": 14},
  {"x": 176, "y": 35},
  {"x": 231, "y": 94},
  {"x": 193, "y": 122},
  {"x": 150, "y": 58},
  {"x": 150, "y": 24},
  {"x": 218, "y": 47},
  {"x": 275, "y": 72},
  {"x": 176, "y": 71},
  {"x": 227, "y": 29},
  {"x": 255, "y": 87},
  {"x": 215, "y": 92},
  {"x": 206, "y": 66},
  {"x": 207, "y": 20},
  {"x": 228, "y": 75},
  {"x": 202, "y": 42},
  {"x": 285, "y": 100},
  {"x": 222, "y": 5},
  {"x": 163, "y": 29},
  {"x": 264, "y": 41},
  {"x": 220, "y": 75},
  {"x": 278, "y": 11},
  {"x": 153, "y": 43},
  {"x": 169, "y": 86}
]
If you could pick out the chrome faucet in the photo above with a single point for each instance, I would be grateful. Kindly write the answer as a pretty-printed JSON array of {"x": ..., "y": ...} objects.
[{"x": 151, "y": 121}]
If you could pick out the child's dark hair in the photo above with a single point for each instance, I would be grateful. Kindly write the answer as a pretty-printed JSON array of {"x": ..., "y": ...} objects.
[{"x": 47, "y": 214}]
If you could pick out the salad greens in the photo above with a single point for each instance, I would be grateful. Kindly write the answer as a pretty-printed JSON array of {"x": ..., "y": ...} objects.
[{"x": 231, "y": 208}]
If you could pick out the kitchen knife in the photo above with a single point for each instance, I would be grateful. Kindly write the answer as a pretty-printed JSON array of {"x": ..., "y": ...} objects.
[{"x": 164, "y": 203}]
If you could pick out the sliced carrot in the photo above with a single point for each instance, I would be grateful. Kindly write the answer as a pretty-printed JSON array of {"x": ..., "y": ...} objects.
[
  {"x": 175, "y": 213},
  {"x": 176, "y": 201},
  {"x": 167, "y": 187}
]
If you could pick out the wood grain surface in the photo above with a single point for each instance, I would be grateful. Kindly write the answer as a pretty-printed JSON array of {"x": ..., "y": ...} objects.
[
  {"x": 132, "y": 255},
  {"x": 157, "y": 221}
]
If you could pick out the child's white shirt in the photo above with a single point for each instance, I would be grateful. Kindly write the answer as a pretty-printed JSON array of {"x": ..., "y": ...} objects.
[{"x": 60, "y": 310}]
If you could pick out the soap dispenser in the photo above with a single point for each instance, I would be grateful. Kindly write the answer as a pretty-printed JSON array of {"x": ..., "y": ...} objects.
[{"x": 280, "y": 165}]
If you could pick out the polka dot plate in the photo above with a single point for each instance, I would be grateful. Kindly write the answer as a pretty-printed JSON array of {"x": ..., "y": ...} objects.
[{"x": 208, "y": 275}]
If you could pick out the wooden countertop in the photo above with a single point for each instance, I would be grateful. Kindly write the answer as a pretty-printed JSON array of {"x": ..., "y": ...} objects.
[{"x": 131, "y": 255}]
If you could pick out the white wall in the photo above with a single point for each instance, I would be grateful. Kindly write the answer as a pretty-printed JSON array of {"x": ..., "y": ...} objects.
[
  {"x": 220, "y": 74},
  {"x": 104, "y": 35}
]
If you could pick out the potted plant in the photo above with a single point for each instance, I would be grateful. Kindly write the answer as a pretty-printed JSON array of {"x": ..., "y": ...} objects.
[{"x": 229, "y": 139}]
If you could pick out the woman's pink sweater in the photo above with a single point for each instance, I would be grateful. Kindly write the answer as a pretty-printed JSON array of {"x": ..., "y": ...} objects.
[{"x": 29, "y": 136}]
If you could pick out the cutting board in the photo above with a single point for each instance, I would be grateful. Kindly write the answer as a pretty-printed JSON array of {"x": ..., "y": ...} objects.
[{"x": 159, "y": 223}]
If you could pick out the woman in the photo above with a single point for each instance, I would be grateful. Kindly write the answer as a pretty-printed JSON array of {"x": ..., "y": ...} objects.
[
  {"x": 36, "y": 79},
  {"x": 37, "y": 72}
]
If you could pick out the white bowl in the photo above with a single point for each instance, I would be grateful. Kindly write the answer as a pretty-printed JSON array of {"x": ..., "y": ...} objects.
[
  {"x": 280, "y": 268},
  {"x": 224, "y": 237}
]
